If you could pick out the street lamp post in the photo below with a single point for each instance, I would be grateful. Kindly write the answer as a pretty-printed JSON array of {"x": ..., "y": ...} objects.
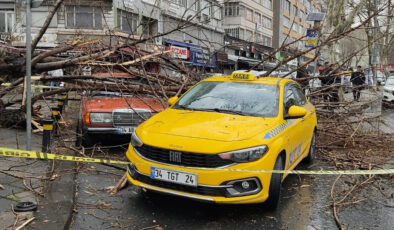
[{"x": 28, "y": 75}]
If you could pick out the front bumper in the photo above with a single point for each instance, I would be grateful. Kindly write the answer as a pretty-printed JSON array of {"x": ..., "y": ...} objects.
[
  {"x": 104, "y": 130},
  {"x": 211, "y": 186},
  {"x": 388, "y": 97}
]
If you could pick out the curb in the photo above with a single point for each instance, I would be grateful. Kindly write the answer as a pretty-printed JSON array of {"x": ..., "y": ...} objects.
[{"x": 56, "y": 208}]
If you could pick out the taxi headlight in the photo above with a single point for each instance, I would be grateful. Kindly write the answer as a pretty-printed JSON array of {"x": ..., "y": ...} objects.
[
  {"x": 101, "y": 118},
  {"x": 245, "y": 155},
  {"x": 135, "y": 141}
]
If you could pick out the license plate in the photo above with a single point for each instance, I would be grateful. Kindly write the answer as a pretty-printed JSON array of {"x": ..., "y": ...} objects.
[
  {"x": 178, "y": 177},
  {"x": 125, "y": 130}
]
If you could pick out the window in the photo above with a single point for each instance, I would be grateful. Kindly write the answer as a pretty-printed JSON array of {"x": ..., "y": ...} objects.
[
  {"x": 217, "y": 12},
  {"x": 286, "y": 22},
  {"x": 205, "y": 7},
  {"x": 250, "y": 99},
  {"x": 302, "y": 15},
  {"x": 193, "y": 4},
  {"x": 266, "y": 41},
  {"x": 231, "y": 9},
  {"x": 242, "y": 34},
  {"x": 287, "y": 5},
  {"x": 267, "y": 22},
  {"x": 300, "y": 29},
  {"x": 85, "y": 17},
  {"x": 257, "y": 17},
  {"x": 308, "y": 5},
  {"x": 293, "y": 96},
  {"x": 39, "y": 15},
  {"x": 295, "y": 27},
  {"x": 127, "y": 21},
  {"x": 179, "y": 2},
  {"x": 249, "y": 15},
  {"x": 295, "y": 11},
  {"x": 267, "y": 3},
  {"x": 248, "y": 35},
  {"x": 300, "y": 96},
  {"x": 234, "y": 32},
  {"x": 6, "y": 21}
]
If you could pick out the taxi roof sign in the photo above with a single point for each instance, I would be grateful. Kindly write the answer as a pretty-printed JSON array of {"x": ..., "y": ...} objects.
[{"x": 246, "y": 76}]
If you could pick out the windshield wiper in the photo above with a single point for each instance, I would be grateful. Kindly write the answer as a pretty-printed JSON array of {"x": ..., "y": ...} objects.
[
  {"x": 229, "y": 111},
  {"x": 222, "y": 111},
  {"x": 184, "y": 107}
]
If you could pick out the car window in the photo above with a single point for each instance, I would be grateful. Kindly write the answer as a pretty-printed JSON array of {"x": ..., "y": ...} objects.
[
  {"x": 241, "y": 98},
  {"x": 300, "y": 96},
  {"x": 288, "y": 100}
]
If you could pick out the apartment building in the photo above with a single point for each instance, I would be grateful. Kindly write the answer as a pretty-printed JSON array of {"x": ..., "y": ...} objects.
[
  {"x": 193, "y": 25},
  {"x": 290, "y": 23},
  {"x": 248, "y": 25}
]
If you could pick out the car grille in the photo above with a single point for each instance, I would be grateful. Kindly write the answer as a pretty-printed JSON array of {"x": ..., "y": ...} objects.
[
  {"x": 186, "y": 159},
  {"x": 129, "y": 118},
  {"x": 201, "y": 190}
]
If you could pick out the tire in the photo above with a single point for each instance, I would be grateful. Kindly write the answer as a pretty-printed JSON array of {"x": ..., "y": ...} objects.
[
  {"x": 275, "y": 186},
  {"x": 87, "y": 140},
  {"x": 312, "y": 150}
]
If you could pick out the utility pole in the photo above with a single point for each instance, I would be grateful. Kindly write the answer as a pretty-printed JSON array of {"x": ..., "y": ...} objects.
[{"x": 28, "y": 75}]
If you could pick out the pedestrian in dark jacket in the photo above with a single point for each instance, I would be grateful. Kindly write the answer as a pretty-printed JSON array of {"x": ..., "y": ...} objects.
[
  {"x": 302, "y": 75},
  {"x": 358, "y": 80}
]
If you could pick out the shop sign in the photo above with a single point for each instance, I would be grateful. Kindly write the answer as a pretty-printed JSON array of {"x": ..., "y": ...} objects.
[
  {"x": 221, "y": 57},
  {"x": 311, "y": 38},
  {"x": 179, "y": 52},
  {"x": 201, "y": 57}
]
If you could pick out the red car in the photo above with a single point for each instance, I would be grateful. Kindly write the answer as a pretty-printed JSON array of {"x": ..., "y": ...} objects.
[{"x": 106, "y": 113}]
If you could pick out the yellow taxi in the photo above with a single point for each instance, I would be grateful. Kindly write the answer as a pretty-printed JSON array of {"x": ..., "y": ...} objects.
[{"x": 209, "y": 143}]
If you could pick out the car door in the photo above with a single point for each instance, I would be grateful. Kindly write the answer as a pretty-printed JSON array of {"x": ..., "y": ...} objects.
[
  {"x": 306, "y": 123},
  {"x": 294, "y": 138}
]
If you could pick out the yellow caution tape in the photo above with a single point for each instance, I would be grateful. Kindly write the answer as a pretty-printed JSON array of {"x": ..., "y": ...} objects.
[
  {"x": 36, "y": 86},
  {"x": 7, "y": 152}
]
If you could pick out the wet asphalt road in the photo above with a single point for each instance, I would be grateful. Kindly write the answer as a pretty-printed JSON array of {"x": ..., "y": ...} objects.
[{"x": 305, "y": 204}]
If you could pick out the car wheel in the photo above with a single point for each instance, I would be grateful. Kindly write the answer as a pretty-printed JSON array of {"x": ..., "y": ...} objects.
[
  {"x": 312, "y": 149},
  {"x": 275, "y": 185},
  {"x": 87, "y": 139}
]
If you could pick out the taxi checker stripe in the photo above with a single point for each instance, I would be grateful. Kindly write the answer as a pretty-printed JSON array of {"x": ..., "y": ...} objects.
[{"x": 7, "y": 152}]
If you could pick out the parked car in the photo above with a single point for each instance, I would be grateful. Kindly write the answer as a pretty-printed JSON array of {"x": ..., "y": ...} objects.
[
  {"x": 221, "y": 126},
  {"x": 106, "y": 113},
  {"x": 388, "y": 91},
  {"x": 381, "y": 78}
]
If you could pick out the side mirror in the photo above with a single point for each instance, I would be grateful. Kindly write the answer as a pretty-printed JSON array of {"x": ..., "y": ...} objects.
[
  {"x": 296, "y": 112},
  {"x": 172, "y": 100}
]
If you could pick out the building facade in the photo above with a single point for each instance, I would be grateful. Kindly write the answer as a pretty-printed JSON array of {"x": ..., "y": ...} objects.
[
  {"x": 248, "y": 25},
  {"x": 290, "y": 24},
  {"x": 194, "y": 25}
]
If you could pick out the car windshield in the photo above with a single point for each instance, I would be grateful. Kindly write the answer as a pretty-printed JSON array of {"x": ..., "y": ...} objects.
[
  {"x": 232, "y": 97},
  {"x": 390, "y": 81},
  {"x": 107, "y": 93}
]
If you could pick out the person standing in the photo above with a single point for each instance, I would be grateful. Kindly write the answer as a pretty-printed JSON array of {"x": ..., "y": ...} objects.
[
  {"x": 302, "y": 76},
  {"x": 358, "y": 80}
]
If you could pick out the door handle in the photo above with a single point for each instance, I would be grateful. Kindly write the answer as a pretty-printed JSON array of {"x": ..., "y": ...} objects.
[
  {"x": 311, "y": 112},
  {"x": 303, "y": 119}
]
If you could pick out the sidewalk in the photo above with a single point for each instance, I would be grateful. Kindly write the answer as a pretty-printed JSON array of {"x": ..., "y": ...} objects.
[
  {"x": 15, "y": 189},
  {"x": 49, "y": 184}
]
